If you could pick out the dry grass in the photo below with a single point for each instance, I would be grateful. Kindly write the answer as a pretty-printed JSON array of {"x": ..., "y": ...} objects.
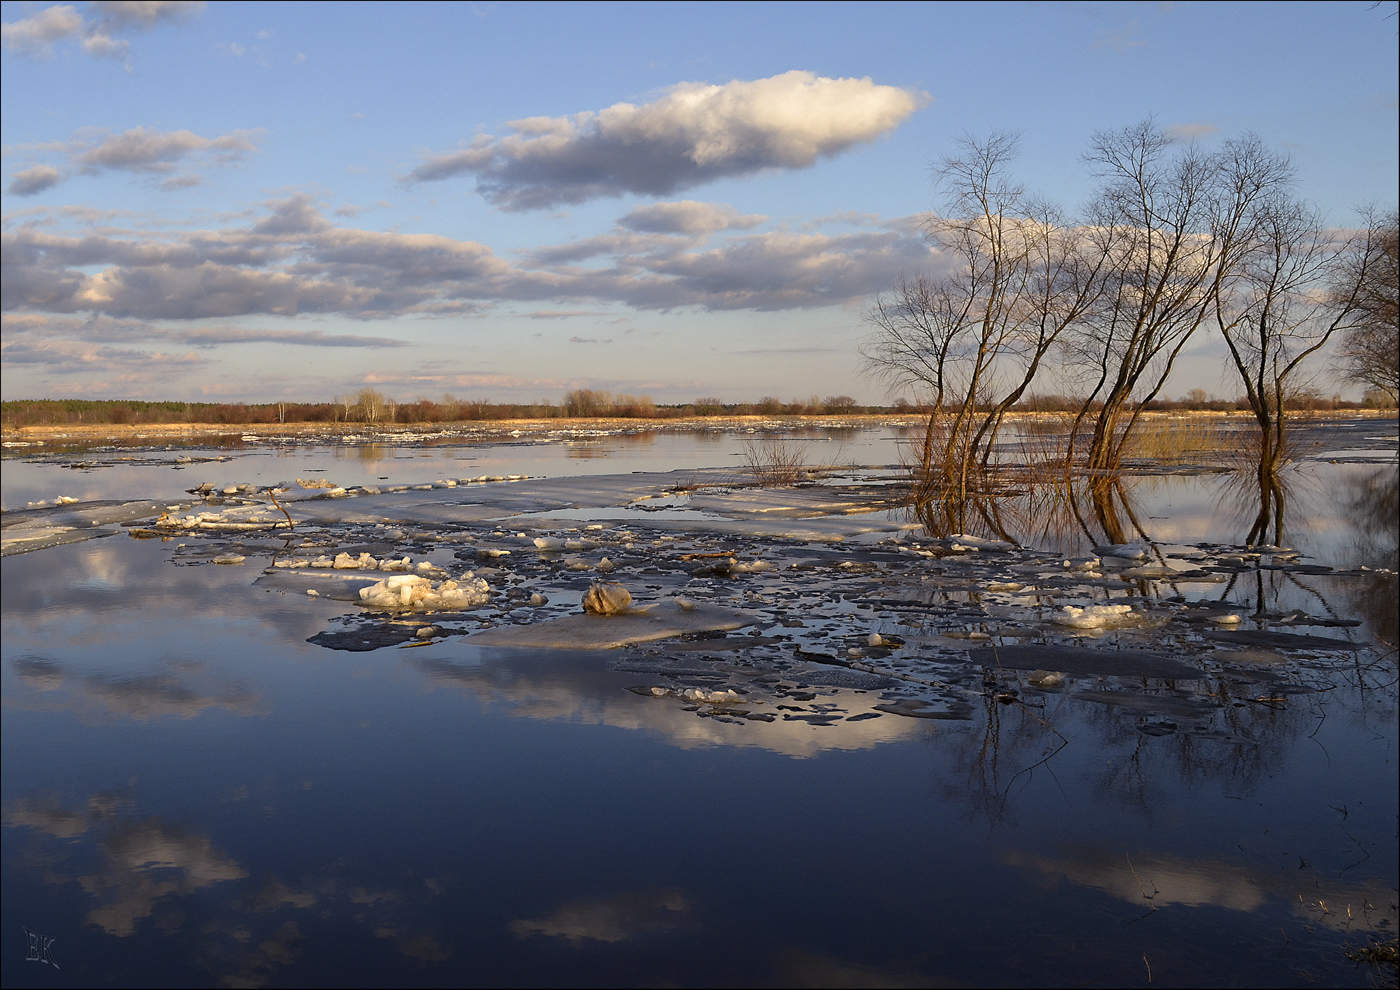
[
  {"x": 1181, "y": 439},
  {"x": 775, "y": 462}
]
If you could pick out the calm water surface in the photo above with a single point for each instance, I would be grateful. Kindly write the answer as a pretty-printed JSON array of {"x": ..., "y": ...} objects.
[{"x": 195, "y": 794}]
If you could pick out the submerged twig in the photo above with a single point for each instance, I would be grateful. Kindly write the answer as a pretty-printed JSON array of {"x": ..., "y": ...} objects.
[{"x": 290, "y": 524}]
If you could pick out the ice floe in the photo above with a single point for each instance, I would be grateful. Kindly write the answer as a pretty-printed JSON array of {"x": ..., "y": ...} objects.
[{"x": 420, "y": 594}]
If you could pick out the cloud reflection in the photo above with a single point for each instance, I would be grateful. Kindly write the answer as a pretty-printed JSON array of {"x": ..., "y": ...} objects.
[
  {"x": 580, "y": 689},
  {"x": 1155, "y": 881},
  {"x": 610, "y": 919}
]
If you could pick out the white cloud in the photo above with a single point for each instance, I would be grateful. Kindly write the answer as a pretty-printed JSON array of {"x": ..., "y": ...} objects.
[
  {"x": 36, "y": 34},
  {"x": 142, "y": 150},
  {"x": 35, "y": 180},
  {"x": 693, "y": 134},
  {"x": 292, "y": 261},
  {"x": 144, "y": 13},
  {"x": 101, "y": 45},
  {"x": 688, "y": 217}
]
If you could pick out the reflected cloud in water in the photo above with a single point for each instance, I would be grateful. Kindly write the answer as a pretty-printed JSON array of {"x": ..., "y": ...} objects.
[
  {"x": 139, "y": 696},
  {"x": 1152, "y": 881},
  {"x": 577, "y": 687},
  {"x": 611, "y": 919}
]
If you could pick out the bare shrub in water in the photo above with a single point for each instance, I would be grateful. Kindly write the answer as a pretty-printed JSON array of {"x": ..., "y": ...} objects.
[{"x": 774, "y": 462}]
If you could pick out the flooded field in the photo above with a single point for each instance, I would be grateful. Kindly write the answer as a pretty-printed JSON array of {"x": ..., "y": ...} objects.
[{"x": 332, "y": 713}]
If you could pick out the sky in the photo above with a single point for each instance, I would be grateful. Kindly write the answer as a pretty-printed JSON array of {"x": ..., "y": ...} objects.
[{"x": 283, "y": 201}]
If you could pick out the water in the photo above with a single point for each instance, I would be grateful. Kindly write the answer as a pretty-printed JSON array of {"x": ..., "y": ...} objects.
[{"x": 193, "y": 792}]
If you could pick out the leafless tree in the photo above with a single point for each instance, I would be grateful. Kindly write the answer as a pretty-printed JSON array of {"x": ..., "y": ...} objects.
[
  {"x": 370, "y": 405},
  {"x": 974, "y": 338},
  {"x": 914, "y": 330},
  {"x": 1371, "y": 347},
  {"x": 1293, "y": 288},
  {"x": 1173, "y": 221}
]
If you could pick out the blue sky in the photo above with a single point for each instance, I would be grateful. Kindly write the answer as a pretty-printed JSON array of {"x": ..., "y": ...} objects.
[{"x": 500, "y": 201}]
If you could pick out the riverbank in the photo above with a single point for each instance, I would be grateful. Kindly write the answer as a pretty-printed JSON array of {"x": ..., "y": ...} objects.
[{"x": 187, "y": 433}]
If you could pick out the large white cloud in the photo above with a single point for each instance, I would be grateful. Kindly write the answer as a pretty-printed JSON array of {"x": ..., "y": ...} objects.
[{"x": 694, "y": 133}]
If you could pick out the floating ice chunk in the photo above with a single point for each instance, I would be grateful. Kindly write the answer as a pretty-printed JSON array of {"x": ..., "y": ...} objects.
[
  {"x": 404, "y": 592},
  {"x": 605, "y": 566},
  {"x": 312, "y": 593},
  {"x": 1228, "y": 619},
  {"x": 492, "y": 553},
  {"x": 323, "y": 562},
  {"x": 606, "y": 598},
  {"x": 292, "y": 562},
  {"x": 231, "y": 490},
  {"x": 594, "y": 526},
  {"x": 1150, "y": 571},
  {"x": 1046, "y": 680},
  {"x": 1004, "y": 586},
  {"x": 538, "y": 599},
  {"x": 64, "y": 500},
  {"x": 710, "y": 697},
  {"x": 364, "y": 562},
  {"x": 1081, "y": 563},
  {"x": 315, "y": 483},
  {"x": 576, "y": 545},
  {"x": 548, "y": 543},
  {"x": 232, "y": 558},
  {"x": 1093, "y": 616},
  {"x": 684, "y": 604},
  {"x": 874, "y": 640},
  {"x": 963, "y": 541},
  {"x": 1128, "y": 551},
  {"x": 753, "y": 567},
  {"x": 390, "y": 564}
]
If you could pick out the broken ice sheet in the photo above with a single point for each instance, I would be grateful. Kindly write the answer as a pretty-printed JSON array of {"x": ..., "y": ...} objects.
[{"x": 642, "y": 624}]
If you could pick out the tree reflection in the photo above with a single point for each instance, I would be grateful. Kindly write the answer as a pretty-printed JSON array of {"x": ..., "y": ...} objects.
[{"x": 1373, "y": 509}]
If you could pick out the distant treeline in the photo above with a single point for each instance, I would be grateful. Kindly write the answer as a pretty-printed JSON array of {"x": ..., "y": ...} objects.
[{"x": 373, "y": 408}]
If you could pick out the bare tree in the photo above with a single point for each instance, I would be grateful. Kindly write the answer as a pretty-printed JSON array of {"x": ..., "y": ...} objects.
[
  {"x": 1292, "y": 290},
  {"x": 370, "y": 405},
  {"x": 911, "y": 346},
  {"x": 1176, "y": 219},
  {"x": 975, "y": 338},
  {"x": 1371, "y": 347}
]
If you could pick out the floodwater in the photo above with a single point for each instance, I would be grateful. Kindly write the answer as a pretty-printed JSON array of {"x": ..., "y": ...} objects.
[{"x": 855, "y": 764}]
